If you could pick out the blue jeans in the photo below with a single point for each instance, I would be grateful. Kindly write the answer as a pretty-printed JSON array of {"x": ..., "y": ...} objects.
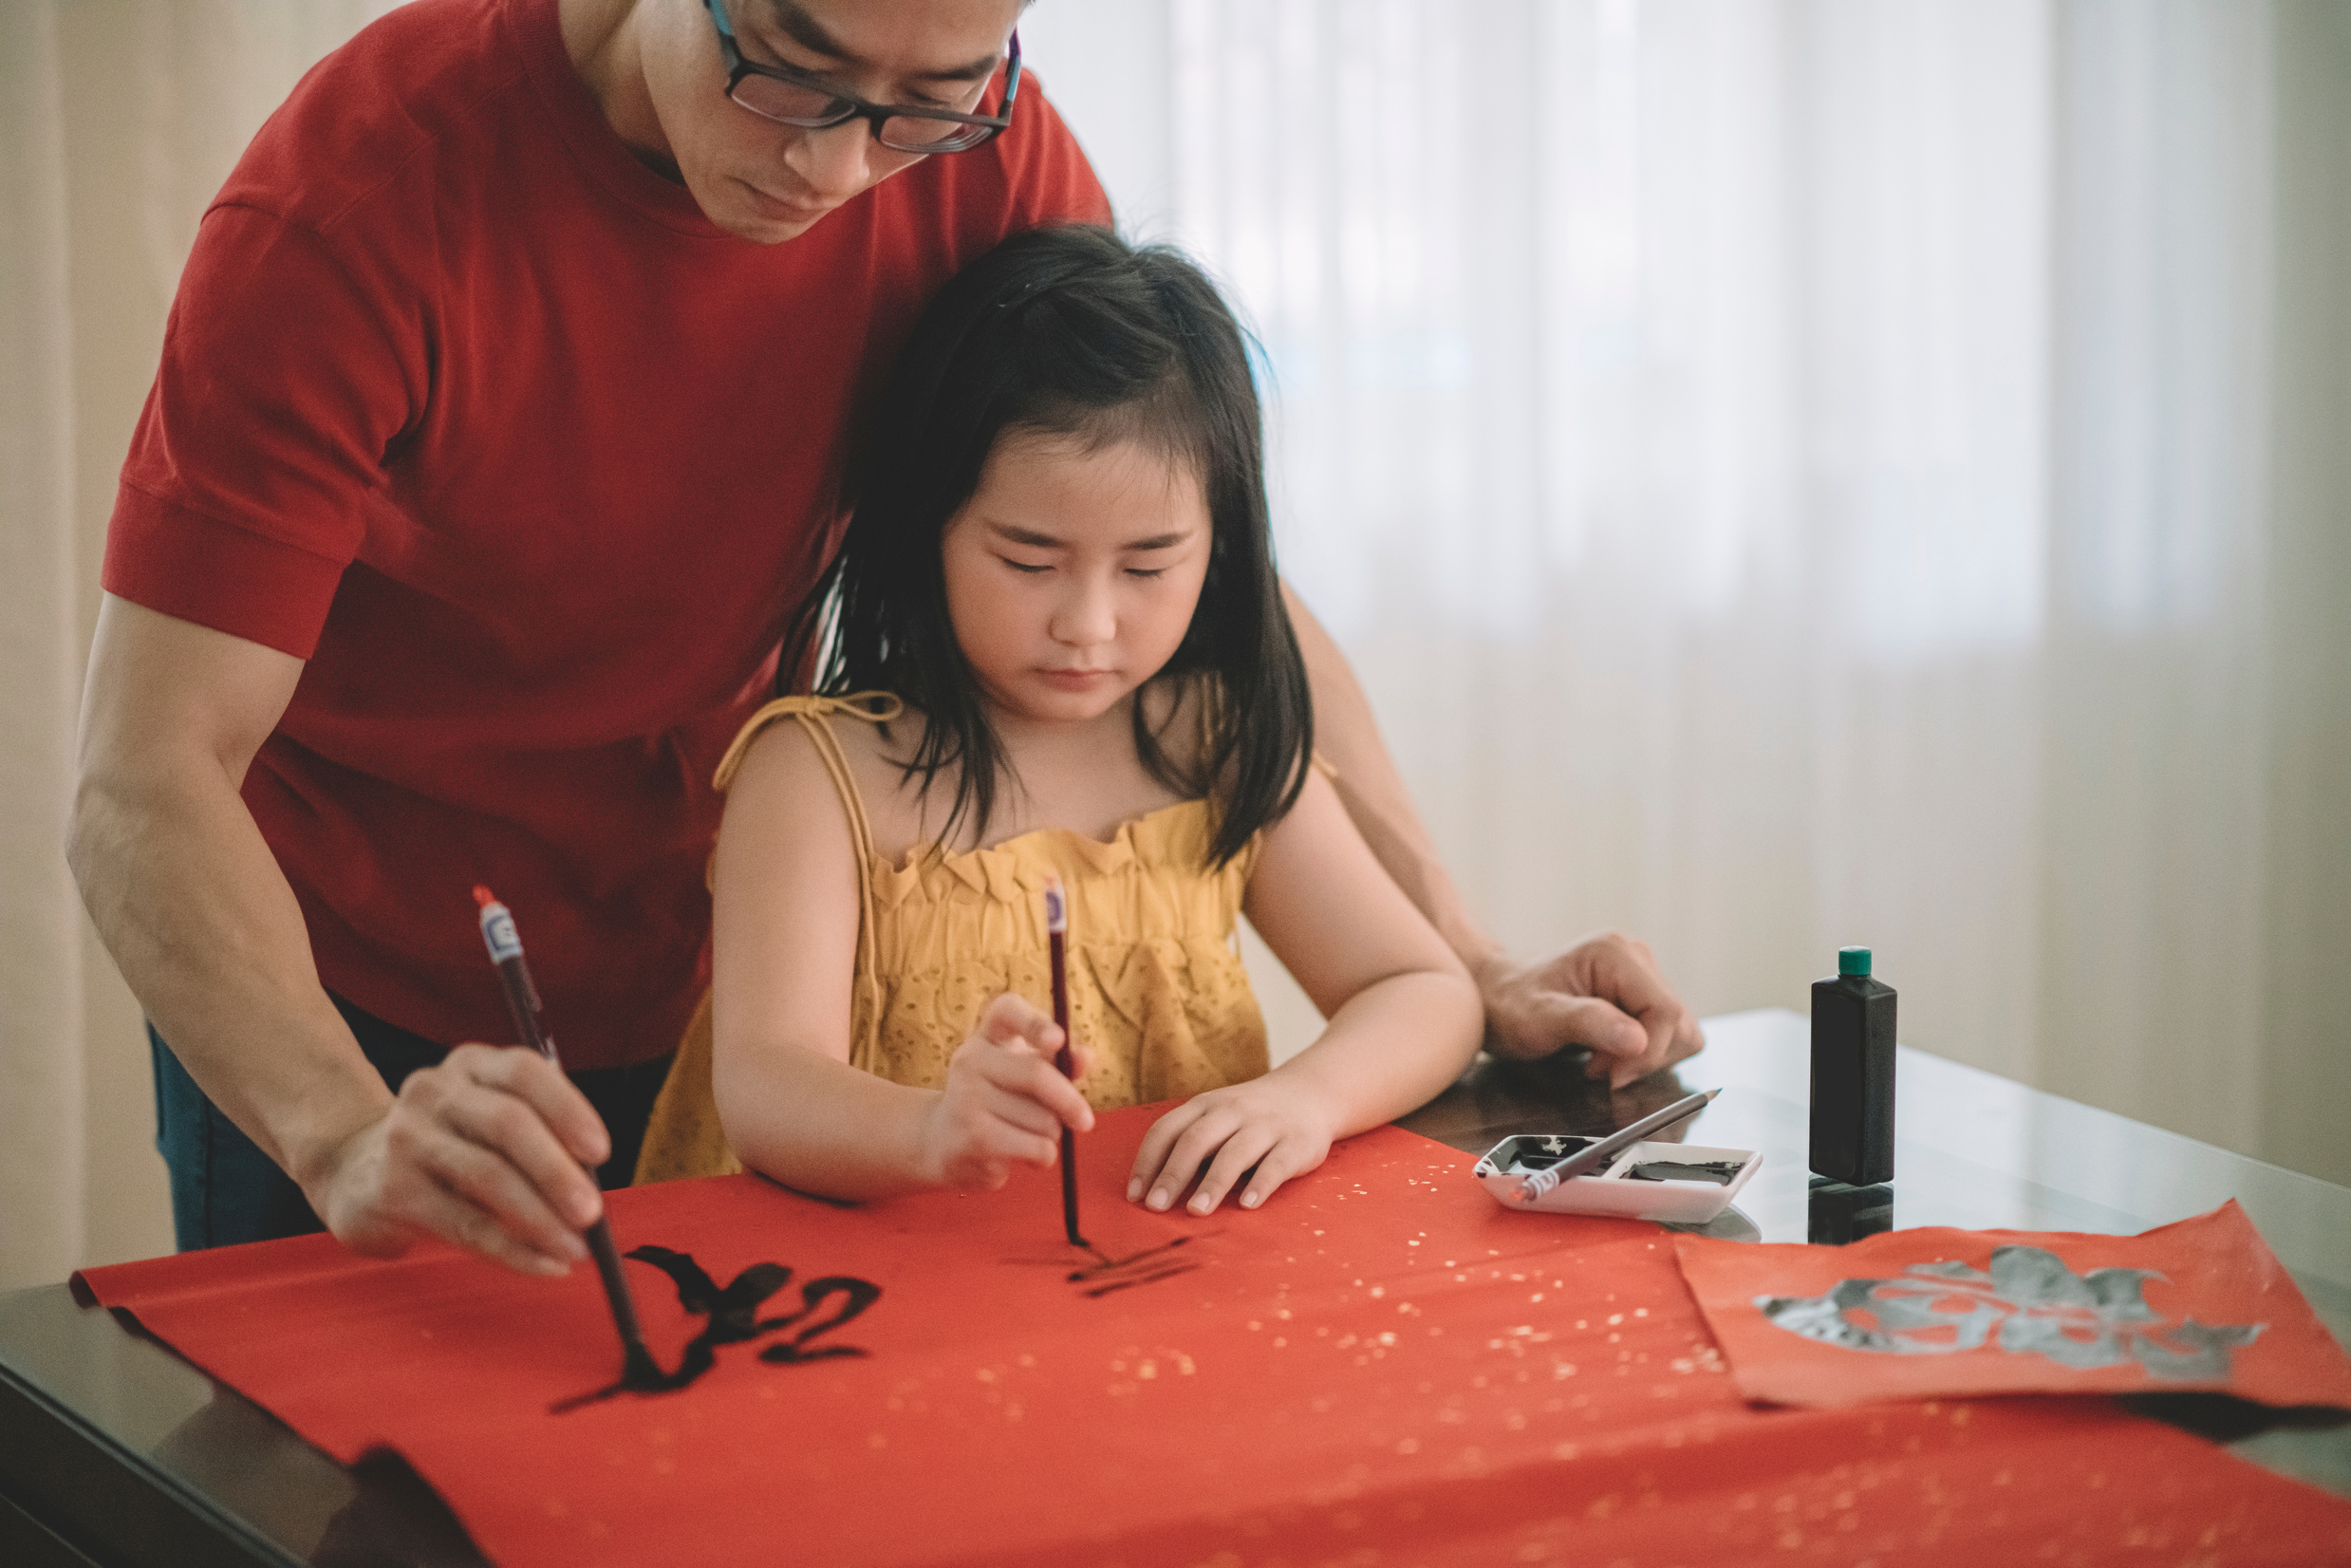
[{"x": 225, "y": 1190}]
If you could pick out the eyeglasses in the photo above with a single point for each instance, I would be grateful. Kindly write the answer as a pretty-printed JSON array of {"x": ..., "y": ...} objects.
[{"x": 792, "y": 98}]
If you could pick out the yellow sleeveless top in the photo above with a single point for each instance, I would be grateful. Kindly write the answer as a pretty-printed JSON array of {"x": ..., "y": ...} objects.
[{"x": 1157, "y": 991}]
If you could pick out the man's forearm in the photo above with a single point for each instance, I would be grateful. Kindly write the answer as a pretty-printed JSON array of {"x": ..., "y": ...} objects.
[
  {"x": 192, "y": 904},
  {"x": 484, "y": 1149},
  {"x": 1372, "y": 791}
]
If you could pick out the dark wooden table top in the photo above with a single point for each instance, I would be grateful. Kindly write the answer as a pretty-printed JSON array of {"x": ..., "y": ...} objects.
[{"x": 114, "y": 1450}]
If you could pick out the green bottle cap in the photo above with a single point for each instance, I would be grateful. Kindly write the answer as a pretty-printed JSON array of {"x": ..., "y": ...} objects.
[{"x": 1853, "y": 960}]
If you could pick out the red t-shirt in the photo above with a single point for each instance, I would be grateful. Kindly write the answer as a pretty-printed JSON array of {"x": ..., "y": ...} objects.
[{"x": 530, "y": 461}]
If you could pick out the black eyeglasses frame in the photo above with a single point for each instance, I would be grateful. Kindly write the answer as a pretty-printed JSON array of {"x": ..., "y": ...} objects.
[{"x": 847, "y": 107}]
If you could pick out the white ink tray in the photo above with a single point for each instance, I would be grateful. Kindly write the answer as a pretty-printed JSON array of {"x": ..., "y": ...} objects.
[{"x": 1613, "y": 1190}]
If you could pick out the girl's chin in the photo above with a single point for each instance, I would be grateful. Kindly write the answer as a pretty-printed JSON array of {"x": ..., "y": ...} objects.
[{"x": 1051, "y": 705}]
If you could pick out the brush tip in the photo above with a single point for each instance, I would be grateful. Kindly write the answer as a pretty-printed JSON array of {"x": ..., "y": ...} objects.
[{"x": 483, "y": 896}]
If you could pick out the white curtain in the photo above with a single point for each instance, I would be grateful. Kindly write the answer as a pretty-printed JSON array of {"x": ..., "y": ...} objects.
[
  {"x": 1815, "y": 472},
  {"x": 118, "y": 122}
]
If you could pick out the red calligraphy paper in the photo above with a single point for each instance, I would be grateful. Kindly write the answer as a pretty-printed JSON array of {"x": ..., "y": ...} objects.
[
  {"x": 1380, "y": 1364},
  {"x": 2202, "y": 1305}
]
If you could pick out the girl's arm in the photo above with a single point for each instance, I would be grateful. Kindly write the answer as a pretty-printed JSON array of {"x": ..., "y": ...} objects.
[
  {"x": 784, "y": 896},
  {"x": 1404, "y": 1018}
]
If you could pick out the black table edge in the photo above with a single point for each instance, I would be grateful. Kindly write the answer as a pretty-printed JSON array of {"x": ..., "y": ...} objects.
[{"x": 106, "y": 1501}]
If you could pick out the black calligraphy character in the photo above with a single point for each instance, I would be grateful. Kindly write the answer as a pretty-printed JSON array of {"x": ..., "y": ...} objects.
[
  {"x": 731, "y": 1317},
  {"x": 856, "y": 1295}
]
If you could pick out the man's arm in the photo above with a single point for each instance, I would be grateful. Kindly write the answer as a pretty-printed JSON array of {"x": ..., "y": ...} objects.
[
  {"x": 1605, "y": 993},
  {"x": 483, "y": 1150}
]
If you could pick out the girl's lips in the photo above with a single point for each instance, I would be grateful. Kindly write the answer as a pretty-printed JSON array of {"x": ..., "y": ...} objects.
[{"x": 1075, "y": 680}]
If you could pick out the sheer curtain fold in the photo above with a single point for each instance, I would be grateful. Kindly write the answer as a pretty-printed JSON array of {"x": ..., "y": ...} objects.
[
  {"x": 1801, "y": 472},
  {"x": 121, "y": 121},
  {"x": 40, "y": 1125}
]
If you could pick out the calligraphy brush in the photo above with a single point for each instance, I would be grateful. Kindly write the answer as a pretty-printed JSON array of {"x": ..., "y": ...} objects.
[
  {"x": 1057, "y": 944},
  {"x": 1582, "y": 1159},
  {"x": 522, "y": 999}
]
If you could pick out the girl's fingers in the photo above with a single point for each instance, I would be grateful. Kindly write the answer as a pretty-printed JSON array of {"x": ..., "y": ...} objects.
[
  {"x": 1012, "y": 1021},
  {"x": 1006, "y": 1101},
  {"x": 1004, "y": 1142},
  {"x": 1041, "y": 1084},
  {"x": 1022, "y": 1112},
  {"x": 1284, "y": 1159},
  {"x": 984, "y": 1141},
  {"x": 1156, "y": 1143},
  {"x": 1192, "y": 1151},
  {"x": 1025, "y": 1042},
  {"x": 1245, "y": 1147}
]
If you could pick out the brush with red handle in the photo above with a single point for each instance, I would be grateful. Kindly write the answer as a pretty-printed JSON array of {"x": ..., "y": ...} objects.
[{"x": 522, "y": 999}]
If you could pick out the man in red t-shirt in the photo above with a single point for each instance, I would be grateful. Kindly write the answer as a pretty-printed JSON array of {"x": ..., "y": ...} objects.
[{"x": 483, "y": 466}]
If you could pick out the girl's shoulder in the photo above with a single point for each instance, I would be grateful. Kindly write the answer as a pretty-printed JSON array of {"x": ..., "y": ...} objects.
[
  {"x": 802, "y": 749},
  {"x": 878, "y": 737},
  {"x": 797, "y": 726}
]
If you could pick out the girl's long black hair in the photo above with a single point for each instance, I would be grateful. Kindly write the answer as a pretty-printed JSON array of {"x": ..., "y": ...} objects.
[{"x": 1068, "y": 331}]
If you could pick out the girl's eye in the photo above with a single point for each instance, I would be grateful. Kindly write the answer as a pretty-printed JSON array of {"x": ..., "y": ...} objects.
[
  {"x": 1147, "y": 573},
  {"x": 1029, "y": 569}
]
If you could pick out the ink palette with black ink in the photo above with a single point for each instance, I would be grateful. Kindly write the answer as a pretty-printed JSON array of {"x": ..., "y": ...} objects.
[{"x": 1683, "y": 1183}]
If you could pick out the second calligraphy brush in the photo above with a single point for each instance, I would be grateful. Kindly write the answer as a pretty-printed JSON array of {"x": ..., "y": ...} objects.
[
  {"x": 1597, "y": 1155},
  {"x": 638, "y": 1367},
  {"x": 1057, "y": 944}
]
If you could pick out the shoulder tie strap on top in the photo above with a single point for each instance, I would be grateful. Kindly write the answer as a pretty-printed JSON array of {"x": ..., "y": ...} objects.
[{"x": 814, "y": 716}]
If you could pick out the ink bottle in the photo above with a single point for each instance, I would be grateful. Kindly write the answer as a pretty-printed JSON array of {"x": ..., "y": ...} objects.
[{"x": 1852, "y": 1074}]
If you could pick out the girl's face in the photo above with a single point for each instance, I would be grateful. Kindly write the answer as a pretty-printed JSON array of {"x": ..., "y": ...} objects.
[{"x": 1072, "y": 574}]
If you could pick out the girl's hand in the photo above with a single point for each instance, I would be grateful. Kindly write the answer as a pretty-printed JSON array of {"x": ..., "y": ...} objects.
[
  {"x": 1004, "y": 1100},
  {"x": 1279, "y": 1127}
]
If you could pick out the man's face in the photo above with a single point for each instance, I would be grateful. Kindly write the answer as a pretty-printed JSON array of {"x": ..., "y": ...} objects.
[{"x": 768, "y": 182}]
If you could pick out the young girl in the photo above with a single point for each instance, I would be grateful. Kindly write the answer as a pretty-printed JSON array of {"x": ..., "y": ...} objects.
[{"x": 1052, "y": 645}]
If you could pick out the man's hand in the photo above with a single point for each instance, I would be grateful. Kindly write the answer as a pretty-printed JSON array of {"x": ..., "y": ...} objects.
[
  {"x": 1004, "y": 1100},
  {"x": 1604, "y": 994},
  {"x": 484, "y": 1149}
]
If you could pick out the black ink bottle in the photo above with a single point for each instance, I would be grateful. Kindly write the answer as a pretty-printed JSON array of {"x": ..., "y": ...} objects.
[{"x": 1852, "y": 1074}]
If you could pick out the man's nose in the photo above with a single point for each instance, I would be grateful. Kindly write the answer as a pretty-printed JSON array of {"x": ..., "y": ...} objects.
[{"x": 837, "y": 161}]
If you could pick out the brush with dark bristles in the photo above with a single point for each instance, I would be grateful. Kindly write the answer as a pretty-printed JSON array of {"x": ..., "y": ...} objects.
[
  {"x": 522, "y": 999},
  {"x": 1057, "y": 942}
]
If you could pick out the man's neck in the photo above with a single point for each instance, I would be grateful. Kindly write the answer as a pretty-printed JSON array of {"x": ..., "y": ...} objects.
[{"x": 603, "y": 39}]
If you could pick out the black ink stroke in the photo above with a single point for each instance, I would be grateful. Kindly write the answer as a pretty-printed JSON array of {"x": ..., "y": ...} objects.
[
  {"x": 1110, "y": 1274},
  {"x": 1139, "y": 1280},
  {"x": 857, "y": 1295},
  {"x": 1107, "y": 1275},
  {"x": 731, "y": 1317}
]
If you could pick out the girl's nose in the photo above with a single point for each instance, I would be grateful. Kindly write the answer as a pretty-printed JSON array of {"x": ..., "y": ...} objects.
[
  {"x": 1085, "y": 617},
  {"x": 835, "y": 161}
]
